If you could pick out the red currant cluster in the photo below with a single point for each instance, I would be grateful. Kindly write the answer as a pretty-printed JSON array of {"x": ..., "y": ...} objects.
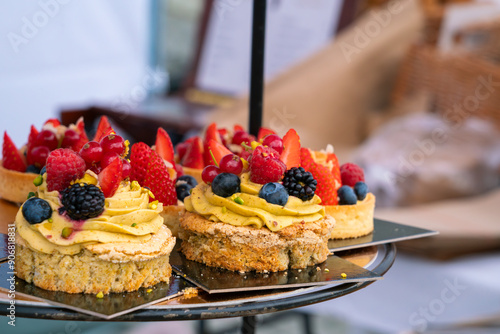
[
  {"x": 99, "y": 155},
  {"x": 230, "y": 163},
  {"x": 47, "y": 141}
]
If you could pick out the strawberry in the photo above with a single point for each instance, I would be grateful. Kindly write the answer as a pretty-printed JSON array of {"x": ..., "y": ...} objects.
[
  {"x": 164, "y": 145},
  {"x": 102, "y": 129},
  {"x": 139, "y": 159},
  {"x": 80, "y": 128},
  {"x": 291, "y": 149},
  {"x": 212, "y": 134},
  {"x": 63, "y": 166},
  {"x": 327, "y": 187},
  {"x": 217, "y": 150},
  {"x": 179, "y": 170},
  {"x": 332, "y": 159},
  {"x": 31, "y": 144},
  {"x": 351, "y": 174},
  {"x": 194, "y": 155},
  {"x": 264, "y": 132},
  {"x": 265, "y": 165},
  {"x": 110, "y": 177},
  {"x": 12, "y": 159},
  {"x": 54, "y": 121},
  {"x": 238, "y": 127},
  {"x": 159, "y": 182},
  {"x": 181, "y": 149}
]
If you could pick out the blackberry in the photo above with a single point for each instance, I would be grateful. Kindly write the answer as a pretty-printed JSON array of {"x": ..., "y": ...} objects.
[
  {"x": 83, "y": 202},
  {"x": 300, "y": 183}
]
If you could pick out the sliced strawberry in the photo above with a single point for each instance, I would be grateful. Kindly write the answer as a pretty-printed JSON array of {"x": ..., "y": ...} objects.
[
  {"x": 194, "y": 155},
  {"x": 264, "y": 132},
  {"x": 212, "y": 134},
  {"x": 218, "y": 151},
  {"x": 238, "y": 127},
  {"x": 110, "y": 177},
  {"x": 54, "y": 121},
  {"x": 335, "y": 170},
  {"x": 181, "y": 149},
  {"x": 139, "y": 159},
  {"x": 179, "y": 170},
  {"x": 159, "y": 182},
  {"x": 31, "y": 144},
  {"x": 327, "y": 187},
  {"x": 80, "y": 128},
  {"x": 291, "y": 149},
  {"x": 12, "y": 159},
  {"x": 164, "y": 145},
  {"x": 102, "y": 129}
]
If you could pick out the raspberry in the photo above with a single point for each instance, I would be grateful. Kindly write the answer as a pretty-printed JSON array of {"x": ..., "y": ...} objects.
[
  {"x": 139, "y": 159},
  {"x": 63, "y": 166},
  {"x": 351, "y": 173},
  {"x": 266, "y": 166},
  {"x": 158, "y": 180}
]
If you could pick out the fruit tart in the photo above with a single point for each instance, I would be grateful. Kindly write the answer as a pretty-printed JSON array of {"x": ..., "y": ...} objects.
[
  {"x": 19, "y": 167},
  {"x": 88, "y": 228},
  {"x": 245, "y": 217}
]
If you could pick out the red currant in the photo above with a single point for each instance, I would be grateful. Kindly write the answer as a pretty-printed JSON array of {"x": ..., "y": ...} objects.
[
  {"x": 274, "y": 142},
  {"x": 209, "y": 173},
  {"x": 71, "y": 137},
  {"x": 126, "y": 168},
  {"x": 179, "y": 170},
  {"x": 91, "y": 152},
  {"x": 39, "y": 155},
  {"x": 47, "y": 138},
  {"x": 113, "y": 144},
  {"x": 231, "y": 163},
  {"x": 108, "y": 158},
  {"x": 96, "y": 169},
  {"x": 242, "y": 137}
]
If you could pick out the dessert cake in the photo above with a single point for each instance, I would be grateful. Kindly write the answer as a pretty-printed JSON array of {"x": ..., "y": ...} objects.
[
  {"x": 242, "y": 218},
  {"x": 90, "y": 228}
]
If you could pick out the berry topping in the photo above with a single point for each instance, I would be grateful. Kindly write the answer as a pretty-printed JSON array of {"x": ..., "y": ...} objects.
[
  {"x": 351, "y": 173},
  {"x": 11, "y": 158},
  {"x": 80, "y": 129},
  {"x": 300, "y": 183},
  {"x": 108, "y": 158},
  {"x": 102, "y": 129},
  {"x": 194, "y": 155},
  {"x": 113, "y": 144},
  {"x": 139, "y": 159},
  {"x": 53, "y": 121},
  {"x": 265, "y": 165},
  {"x": 48, "y": 139},
  {"x": 214, "y": 151},
  {"x": 347, "y": 196},
  {"x": 179, "y": 170},
  {"x": 209, "y": 173},
  {"x": 183, "y": 190},
  {"x": 273, "y": 141},
  {"x": 291, "y": 149},
  {"x": 263, "y": 132},
  {"x": 36, "y": 210},
  {"x": 39, "y": 155},
  {"x": 31, "y": 143},
  {"x": 110, "y": 177},
  {"x": 242, "y": 137},
  {"x": 32, "y": 169},
  {"x": 43, "y": 170},
  {"x": 63, "y": 166},
  {"x": 326, "y": 187},
  {"x": 231, "y": 163},
  {"x": 361, "y": 190},
  {"x": 226, "y": 184},
  {"x": 181, "y": 149},
  {"x": 164, "y": 145},
  {"x": 212, "y": 134},
  {"x": 187, "y": 179},
  {"x": 274, "y": 193},
  {"x": 238, "y": 127},
  {"x": 91, "y": 152},
  {"x": 83, "y": 202},
  {"x": 126, "y": 168},
  {"x": 71, "y": 139},
  {"x": 158, "y": 180}
]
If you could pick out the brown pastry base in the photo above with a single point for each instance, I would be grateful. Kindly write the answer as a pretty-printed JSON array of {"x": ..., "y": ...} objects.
[{"x": 15, "y": 186}]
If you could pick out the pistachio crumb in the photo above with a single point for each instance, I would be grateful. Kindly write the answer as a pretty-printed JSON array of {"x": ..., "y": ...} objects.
[
  {"x": 343, "y": 275},
  {"x": 100, "y": 295}
]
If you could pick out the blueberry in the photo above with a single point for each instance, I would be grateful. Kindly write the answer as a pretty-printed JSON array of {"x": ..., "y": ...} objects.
[
  {"x": 32, "y": 169},
  {"x": 183, "y": 190},
  {"x": 346, "y": 196},
  {"x": 189, "y": 179},
  {"x": 36, "y": 210},
  {"x": 43, "y": 170},
  {"x": 226, "y": 184},
  {"x": 274, "y": 193},
  {"x": 361, "y": 189}
]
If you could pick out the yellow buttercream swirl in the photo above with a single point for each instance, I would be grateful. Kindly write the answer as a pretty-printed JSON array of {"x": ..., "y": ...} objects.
[
  {"x": 127, "y": 217},
  {"x": 254, "y": 211}
]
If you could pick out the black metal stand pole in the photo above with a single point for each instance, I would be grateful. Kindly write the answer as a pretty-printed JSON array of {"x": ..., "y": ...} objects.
[
  {"x": 249, "y": 324},
  {"x": 257, "y": 66}
]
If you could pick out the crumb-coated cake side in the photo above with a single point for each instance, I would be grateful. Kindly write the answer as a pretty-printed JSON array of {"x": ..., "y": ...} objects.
[
  {"x": 245, "y": 248},
  {"x": 98, "y": 268},
  {"x": 171, "y": 215}
]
